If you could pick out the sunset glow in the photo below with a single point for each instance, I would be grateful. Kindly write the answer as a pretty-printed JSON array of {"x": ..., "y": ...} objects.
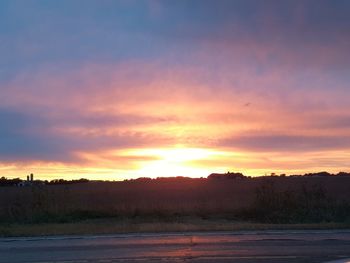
[
  {"x": 125, "y": 89},
  {"x": 174, "y": 162}
]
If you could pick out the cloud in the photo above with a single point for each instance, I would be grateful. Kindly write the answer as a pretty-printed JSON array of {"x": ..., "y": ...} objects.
[
  {"x": 25, "y": 137},
  {"x": 78, "y": 81},
  {"x": 292, "y": 35},
  {"x": 99, "y": 107},
  {"x": 295, "y": 35},
  {"x": 286, "y": 143}
]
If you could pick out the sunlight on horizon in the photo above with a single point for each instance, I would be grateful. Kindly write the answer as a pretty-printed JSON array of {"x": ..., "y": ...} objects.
[
  {"x": 163, "y": 162},
  {"x": 171, "y": 162}
]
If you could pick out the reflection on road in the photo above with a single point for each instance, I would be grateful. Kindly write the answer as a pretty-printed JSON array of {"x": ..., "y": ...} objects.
[{"x": 262, "y": 246}]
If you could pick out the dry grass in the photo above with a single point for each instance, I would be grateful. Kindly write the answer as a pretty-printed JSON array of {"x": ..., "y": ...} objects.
[
  {"x": 157, "y": 198},
  {"x": 165, "y": 205},
  {"x": 110, "y": 226}
]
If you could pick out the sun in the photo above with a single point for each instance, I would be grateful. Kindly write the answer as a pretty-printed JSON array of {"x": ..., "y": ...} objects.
[{"x": 171, "y": 162}]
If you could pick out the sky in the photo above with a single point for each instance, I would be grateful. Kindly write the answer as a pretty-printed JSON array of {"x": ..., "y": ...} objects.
[{"x": 116, "y": 90}]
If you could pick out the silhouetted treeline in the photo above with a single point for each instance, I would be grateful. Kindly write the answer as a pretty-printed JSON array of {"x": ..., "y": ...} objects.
[
  {"x": 327, "y": 174},
  {"x": 17, "y": 182},
  {"x": 9, "y": 182},
  {"x": 62, "y": 181},
  {"x": 229, "y": 175}
]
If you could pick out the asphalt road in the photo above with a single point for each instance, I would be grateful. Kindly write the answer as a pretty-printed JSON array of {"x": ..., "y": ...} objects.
[{"x": 258, "y": 246}]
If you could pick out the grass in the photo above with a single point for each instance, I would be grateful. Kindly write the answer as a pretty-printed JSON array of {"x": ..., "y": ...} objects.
[
  {"x": 116, "y": 226},
  {"x": 173, "y": 205}
]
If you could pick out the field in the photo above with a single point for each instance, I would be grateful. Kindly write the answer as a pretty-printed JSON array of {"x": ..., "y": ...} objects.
[{"x": 171, "y": 204}]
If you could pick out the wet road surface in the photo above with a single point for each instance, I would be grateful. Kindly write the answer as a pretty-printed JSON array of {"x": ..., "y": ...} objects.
[{"x": 240, "y": 247}]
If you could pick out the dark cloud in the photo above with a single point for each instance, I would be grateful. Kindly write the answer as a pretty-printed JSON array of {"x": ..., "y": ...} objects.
[
  {"x": 68, "y": 32},
  {"x": 26, "y": 137},
  {"x": 23, "y": 137},
  {"x": 103, "y": 120},
  {"x": 298, "y": 20},
  {"x": 287, "y": 34},
  {"x": 329, "y": 122}
]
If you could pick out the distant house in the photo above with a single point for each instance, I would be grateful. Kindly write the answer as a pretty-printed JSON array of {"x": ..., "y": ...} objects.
[
  {"x": 343, "y": 174},
  {"x": 227, "y": 175},
  {"x": 21, "y": 184},
  {"x": 29, "y": 182},
  {"x": 319, "y": 174}
]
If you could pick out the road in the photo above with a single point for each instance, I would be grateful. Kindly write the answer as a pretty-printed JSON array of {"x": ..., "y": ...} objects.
[{"x": 240, "y": 247}]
